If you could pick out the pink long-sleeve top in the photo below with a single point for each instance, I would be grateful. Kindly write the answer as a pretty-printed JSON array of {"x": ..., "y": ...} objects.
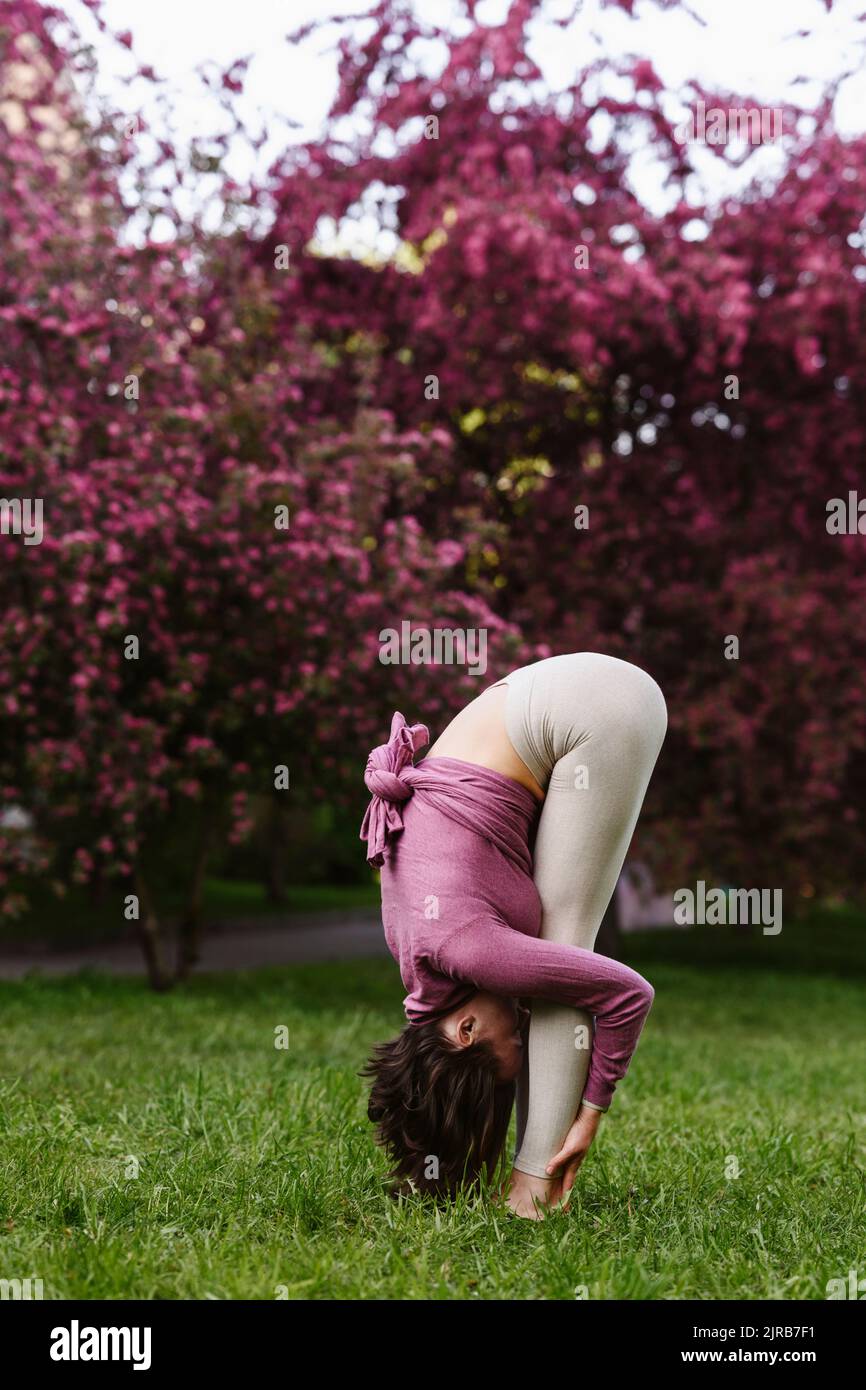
[{"x": 460, "y": 908}]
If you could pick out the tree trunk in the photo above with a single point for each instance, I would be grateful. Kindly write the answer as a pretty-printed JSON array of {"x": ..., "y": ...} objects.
[
  {"x": 609, "y": 939},
  {"x": 150, "y": 937},
  {"x": 275, "y": 882},
  {"x": 190, "y": 929},
  {"x": 96, "y": 887}
]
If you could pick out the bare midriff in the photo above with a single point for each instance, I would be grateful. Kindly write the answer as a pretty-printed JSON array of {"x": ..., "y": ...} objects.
[{"x": 478, "y": 735}]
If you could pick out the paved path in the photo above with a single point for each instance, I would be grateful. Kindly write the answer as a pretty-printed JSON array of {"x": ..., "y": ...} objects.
[{"x": 237, "y": 946}]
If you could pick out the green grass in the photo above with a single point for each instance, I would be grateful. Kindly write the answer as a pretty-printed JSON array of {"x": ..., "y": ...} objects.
[{"x": 257, "y": 1168}]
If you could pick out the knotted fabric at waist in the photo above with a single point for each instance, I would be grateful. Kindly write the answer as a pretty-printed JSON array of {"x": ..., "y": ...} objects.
[
  {"x": 482, "y": 801},
  {"x": 388, "y": 778}
]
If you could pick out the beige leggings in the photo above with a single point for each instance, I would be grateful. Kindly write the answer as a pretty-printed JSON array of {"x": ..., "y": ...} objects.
[{"x": 589, "y": 728}]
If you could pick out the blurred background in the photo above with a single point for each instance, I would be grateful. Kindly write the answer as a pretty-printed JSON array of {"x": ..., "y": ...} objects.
[
  {"x": 540, "y": 324},
  {"x": 539, "y": 320}
]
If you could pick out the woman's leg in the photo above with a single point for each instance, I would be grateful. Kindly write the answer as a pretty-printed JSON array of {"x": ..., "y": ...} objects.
[{"x": 590, "y": 727}]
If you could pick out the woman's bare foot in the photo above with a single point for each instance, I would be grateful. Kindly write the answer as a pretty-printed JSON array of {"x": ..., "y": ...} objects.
[{"x": 531, "y": 1197}]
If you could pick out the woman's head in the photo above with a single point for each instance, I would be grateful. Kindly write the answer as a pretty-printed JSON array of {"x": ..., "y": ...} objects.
[{"x": 441, "y": 1094}]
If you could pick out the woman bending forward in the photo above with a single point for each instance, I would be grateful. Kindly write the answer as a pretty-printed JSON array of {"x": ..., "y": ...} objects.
[{"x": 485, "y": 927}]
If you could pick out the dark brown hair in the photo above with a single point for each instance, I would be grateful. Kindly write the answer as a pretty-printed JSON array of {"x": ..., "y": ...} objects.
[{"x": 435, "y": 1104}]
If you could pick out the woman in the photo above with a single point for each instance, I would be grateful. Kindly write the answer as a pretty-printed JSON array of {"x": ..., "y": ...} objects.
[{"x": 479, "y": 920}]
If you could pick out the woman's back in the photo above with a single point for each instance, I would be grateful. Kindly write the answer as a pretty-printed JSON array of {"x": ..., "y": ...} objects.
[{"x": 463, "y": 854}]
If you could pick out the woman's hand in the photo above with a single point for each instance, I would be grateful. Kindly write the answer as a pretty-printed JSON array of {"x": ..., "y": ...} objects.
[{"x": 564, "y": 1165}]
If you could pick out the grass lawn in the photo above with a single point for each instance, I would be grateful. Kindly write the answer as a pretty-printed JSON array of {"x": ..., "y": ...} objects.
[{"x": 256, "y": 1167}]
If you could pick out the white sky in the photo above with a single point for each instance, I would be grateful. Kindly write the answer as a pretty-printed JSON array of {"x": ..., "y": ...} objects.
[{"x": 747, "y": 46}]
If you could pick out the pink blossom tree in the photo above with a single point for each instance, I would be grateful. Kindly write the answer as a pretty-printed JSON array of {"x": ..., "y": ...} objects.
[
  {"x": 550, "y": 413},
  {"x": 199, "y": 622},
  {"x": 658, "y": 407}
]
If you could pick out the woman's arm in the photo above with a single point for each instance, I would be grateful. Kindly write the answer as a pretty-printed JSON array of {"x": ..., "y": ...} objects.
[{"x": 490, "y": 955}]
